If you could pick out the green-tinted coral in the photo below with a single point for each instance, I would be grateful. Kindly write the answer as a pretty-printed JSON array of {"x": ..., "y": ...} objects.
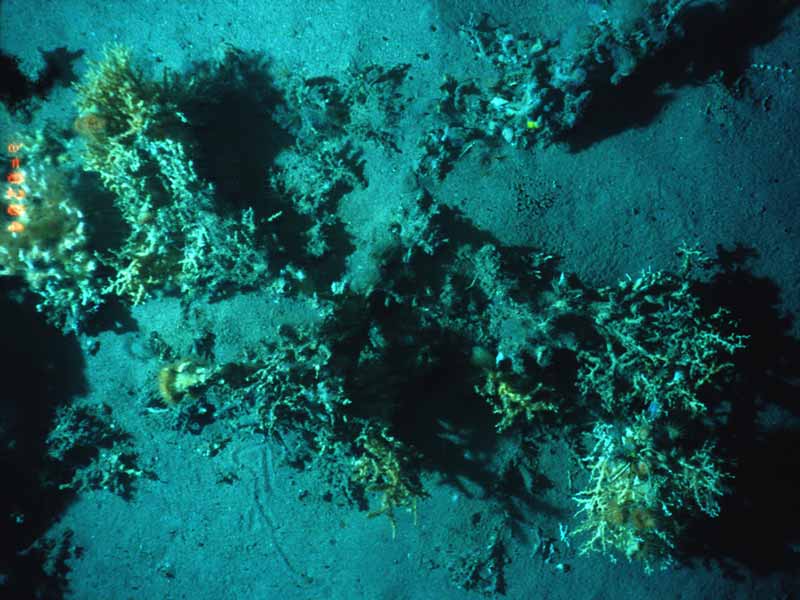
[
  {"x": 51, "y": 253},
  {"x": 117, "y": 92},
  {"x": 657, "y": 347},
  {"x": 643, "y": 489},
  {"x": 176, "y": 239},
  {"x": 513, "y": 405},
  {"x": 385, "y": 466},
  {"x": 642, "y": 357}
]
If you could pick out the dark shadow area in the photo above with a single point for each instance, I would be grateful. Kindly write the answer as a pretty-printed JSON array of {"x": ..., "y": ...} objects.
[
  {"x": 107, "y": 232},
  {"x": 454, "y": 428},
  {"x": 759, "y": 524},
  {"x": 421, "y": 382},
  {"x": 59, "y": 69},
  {"x": 229, "y": 108},
  {"x": 17, "y": 90},
  {"x": 114, "y": 315},
  {"x": 44, "y": 369},
  {"x": 422, "y": 389},
  {"x": 107, "y": 228},
  {"x": 714, "y": 40}
]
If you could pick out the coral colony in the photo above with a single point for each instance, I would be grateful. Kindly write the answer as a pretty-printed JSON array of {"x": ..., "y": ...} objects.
[{"x": 634, "y": 362}]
